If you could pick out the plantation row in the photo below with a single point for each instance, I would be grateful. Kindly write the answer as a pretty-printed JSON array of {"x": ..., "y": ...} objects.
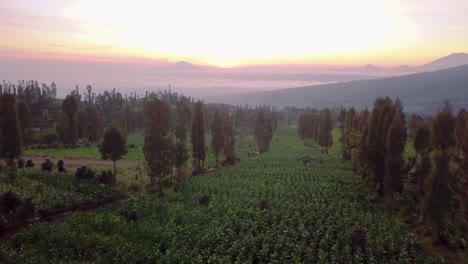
[{"x": 268, "y": 208}]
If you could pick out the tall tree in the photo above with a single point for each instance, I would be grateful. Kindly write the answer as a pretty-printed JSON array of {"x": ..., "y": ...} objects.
[
  {"x": 198, "y": 136},
  {"x": 229, "y": 140},
  {"x": 25, "y": 121},
  {"x": 396, "y": 140},
  {"x": 10, "y": 135},
  {"x": 437, "y": 204},
  {"x": 70, "y": 108},
  {"x": 422, "y": 145},
  {"x": 113, "y": 145},
  {"x": 263, "y": 131},
  {"x": 158, "y": 148},
  {"x": 326, "y": 127},
  {"x": 94, "y": 122},
  {"x": 217, "y": 136},
  {"x": 379, "y": 123},
  {"x": 183, "y": 116}
]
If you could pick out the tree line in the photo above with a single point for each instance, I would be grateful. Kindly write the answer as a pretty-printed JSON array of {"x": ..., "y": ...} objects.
[
  {"x": 167, "y": 120},
  {"x": 434, "y": 182},
  {"x": 315, "y": 128}
]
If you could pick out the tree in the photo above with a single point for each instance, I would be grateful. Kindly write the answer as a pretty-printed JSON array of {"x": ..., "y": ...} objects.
[
  {"x": 113, "y": 145},
  {"x": 348, "y": 131},
  {"x": 217, "y": 136},
  {"x": 25, "y": 121},
  {"x": 183, "y": 116},
  {"x": 263, "y": 132},
  {"x": 422, "y": 145},
  {"x": 198, "y": 136},
  {"x": 325, "y": 139},
  {"x": 438, "y": 194},
  {"x": 10, "y": 135},
  {"x": 396, "y": 140},
  {"x": 158, "y": 147},
  {"x": 229, "y": 140},
  {"x": 70, "y": 108},
  {"x": 94, "y": 122},
  {"x": 376, "y": 147}
]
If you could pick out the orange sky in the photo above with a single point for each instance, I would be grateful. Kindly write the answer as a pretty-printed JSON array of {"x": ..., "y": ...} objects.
[{"x": 235, "y": 33}]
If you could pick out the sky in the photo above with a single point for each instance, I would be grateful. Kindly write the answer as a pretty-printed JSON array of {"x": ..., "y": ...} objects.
[{"x": 235, "y": 33}]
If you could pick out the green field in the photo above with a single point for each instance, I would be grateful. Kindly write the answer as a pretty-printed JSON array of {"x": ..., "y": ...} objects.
[{"x": 309, "y": 215}]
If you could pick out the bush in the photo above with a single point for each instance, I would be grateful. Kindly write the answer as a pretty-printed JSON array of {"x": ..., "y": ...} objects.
[
  {"x": 107, "y": 178},
  {"x": 20, "y": 163},
  {"x": 9, "y": 203},
  {"x": 47, "y": 165},
  {"x": 61, "y": 166},
  {"x": 46, "y": 136},
  {"x": 84, "y": 173},
  {"x": 29, "y": 164}
]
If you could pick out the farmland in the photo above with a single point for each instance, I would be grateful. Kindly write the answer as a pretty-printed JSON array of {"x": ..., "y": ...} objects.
[{"x": 268, "y": 208}]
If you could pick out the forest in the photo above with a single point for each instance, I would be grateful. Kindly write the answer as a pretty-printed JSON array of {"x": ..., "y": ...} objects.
[{"x": 162, "y": 177}]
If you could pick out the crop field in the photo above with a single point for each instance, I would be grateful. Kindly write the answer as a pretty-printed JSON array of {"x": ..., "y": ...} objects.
[
  {"x": 266, "y": 209},
  {"x": 53, "y": 193}
]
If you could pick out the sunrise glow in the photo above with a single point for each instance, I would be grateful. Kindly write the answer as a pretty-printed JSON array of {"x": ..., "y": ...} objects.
[{"x": 234, "y": 33}]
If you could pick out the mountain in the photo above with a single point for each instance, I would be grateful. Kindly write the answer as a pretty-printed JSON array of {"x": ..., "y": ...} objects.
[
  {"x": 369, "y": 67},
  {"x": 421, "y": 92},
  {"x": 452, "y": 60},
  {"x": 182, "y": 66}
]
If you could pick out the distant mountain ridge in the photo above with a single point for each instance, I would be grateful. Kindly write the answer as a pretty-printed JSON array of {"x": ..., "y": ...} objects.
[
  {"x": 182, "y": 66},
  {"x": 421, "y": 92},
  {"x": 452, "y": 60}
]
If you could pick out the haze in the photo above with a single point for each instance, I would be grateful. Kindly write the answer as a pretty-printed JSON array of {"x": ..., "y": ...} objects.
[{"x": 238, "y": 46}]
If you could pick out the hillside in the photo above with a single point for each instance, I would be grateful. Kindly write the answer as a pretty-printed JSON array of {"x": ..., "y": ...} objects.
[
  {"x": 452, "y": 60},
  {"x": 421, "y": 92}
]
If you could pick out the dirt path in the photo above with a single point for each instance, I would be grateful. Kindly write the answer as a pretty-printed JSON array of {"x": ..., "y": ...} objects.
[{"x": 73, "y": 163}]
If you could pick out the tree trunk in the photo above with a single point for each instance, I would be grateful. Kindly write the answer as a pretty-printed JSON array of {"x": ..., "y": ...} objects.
[{"x": 115, "y": 174}]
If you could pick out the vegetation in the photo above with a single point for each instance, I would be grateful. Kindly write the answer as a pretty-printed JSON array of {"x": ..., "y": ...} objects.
[
  {"x": 113, "y": 145},
  {"x": 158, "y": 145},
  {"x": 263, "y": 131},
  {"x": 198, "y": 137},
  {"x": 268, "y": 209},
  {"x": 265, "y": 209}
]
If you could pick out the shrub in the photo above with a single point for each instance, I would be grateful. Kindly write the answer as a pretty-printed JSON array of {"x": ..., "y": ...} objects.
[
  {"x": 20, "y": 163},
  {"x": 9, "y": 203},
  {"x": 46, "y": 136},
  {"x": 47, "y": 165},
  {"x": 205, "y": 199},
  {"x": 84, "y": 173},
  {"x": 29, "y": 164},
  {"x": 61, "y": 166},
  {"x": 107, "y": 178}
]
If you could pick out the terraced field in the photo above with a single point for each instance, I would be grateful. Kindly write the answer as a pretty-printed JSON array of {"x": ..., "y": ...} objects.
[{"x": 268, "y": 208}]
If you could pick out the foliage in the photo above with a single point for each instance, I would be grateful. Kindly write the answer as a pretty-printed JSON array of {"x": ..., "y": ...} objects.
[
  {"x": 198, "y": 136},
  {"x": 70, "y": 108},
  {"x": 229, "y": 140},
  {"x": 217, "y": 136},
  {"x": 263, "y": 131},
  {"x": 113, "y": 145},
  {"x": 53, "y": 193},
  {"x": 396, "y": 140},
  {"x": 158, "y": 144},
  {"x": 10, "y": 135},
  {"x": 314, "y": 215}
]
